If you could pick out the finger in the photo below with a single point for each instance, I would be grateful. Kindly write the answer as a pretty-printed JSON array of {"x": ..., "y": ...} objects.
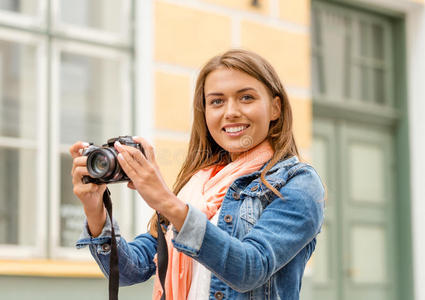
[
  {"x": 149, "y": 150},
  {"x": 131, "y": 185},
  {"x": 101, "y": 188},
  {"x": 133, "y": 156},
  {"x": 93, "y": 188},
  {"x": 98, "y": 187},
  {"x": 135, "y": 153},
  {"x": 79, "y": 172},
  {"x": 89, "y": 188},
  {"x": 74, "y": 150},
  {"x": 78, "y": 161},
  {"x": 127, "y": 163}
]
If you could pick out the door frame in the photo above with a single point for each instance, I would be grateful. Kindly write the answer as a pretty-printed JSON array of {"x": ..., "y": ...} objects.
[
  {"x": 410, "y": 143},
  {"x": 409, "y": 39}
]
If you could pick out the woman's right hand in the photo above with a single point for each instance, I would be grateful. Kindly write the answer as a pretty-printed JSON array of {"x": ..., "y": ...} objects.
[{"x": 90, "y": 194}]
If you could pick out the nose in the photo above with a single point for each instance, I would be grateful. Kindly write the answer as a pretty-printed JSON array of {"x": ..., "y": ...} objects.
[{"x": 232, "y": 110}]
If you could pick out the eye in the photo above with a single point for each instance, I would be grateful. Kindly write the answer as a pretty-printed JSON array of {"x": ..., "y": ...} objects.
[
  {"x": 216, "y": 101},
  {"x": 247, "y": 97}
]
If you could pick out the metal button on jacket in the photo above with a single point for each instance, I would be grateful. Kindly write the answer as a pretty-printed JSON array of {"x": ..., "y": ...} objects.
[
  {"x": 236, "y": 196},
  {"x": 218, "y": 295},
  {"x": 228, "y": 218},
  {"x": 254, "y": 188},
  {"x": 106, "y": 247}
]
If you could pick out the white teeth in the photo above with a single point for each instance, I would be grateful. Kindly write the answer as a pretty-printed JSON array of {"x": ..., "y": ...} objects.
[{"x": 235, "y": 129}]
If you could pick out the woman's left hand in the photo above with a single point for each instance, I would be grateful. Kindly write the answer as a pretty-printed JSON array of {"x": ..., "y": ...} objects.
[{"x": 146, "y": 178}]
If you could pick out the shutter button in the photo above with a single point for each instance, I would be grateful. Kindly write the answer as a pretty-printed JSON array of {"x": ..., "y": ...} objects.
[
  {"x": 218, "y": 295},
  {"x": 235, "y": 196},
  {"x": 106, "y": 247},
  {"x": 254, "y": 188},
  {"x": 228, "y": 218}
]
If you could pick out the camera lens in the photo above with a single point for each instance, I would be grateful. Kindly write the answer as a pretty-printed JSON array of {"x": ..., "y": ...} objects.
[{"x": 101, "y": 163}]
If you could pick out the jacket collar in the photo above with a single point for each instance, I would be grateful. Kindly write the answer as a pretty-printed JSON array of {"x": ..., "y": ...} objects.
[
  {"x": 280, "y": 164},
  {"x": 241, "y": 181}
]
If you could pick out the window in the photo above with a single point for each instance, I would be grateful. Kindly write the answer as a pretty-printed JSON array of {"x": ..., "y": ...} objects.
[
  {"x": 352, "y": 63},
  {"x": 64, "y": 76}
]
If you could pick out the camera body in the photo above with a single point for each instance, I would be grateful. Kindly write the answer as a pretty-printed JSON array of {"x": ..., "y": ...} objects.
[{"x": 102, "y": 162}]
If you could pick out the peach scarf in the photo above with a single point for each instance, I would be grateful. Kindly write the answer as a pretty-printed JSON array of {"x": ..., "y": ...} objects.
[{"x": 205, "y": 191}]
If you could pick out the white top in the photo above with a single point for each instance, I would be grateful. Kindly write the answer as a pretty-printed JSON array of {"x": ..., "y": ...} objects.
[{"x": 201, "y": 276}]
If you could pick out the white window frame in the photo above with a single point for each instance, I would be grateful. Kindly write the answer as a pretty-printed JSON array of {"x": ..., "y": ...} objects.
[
  {"x": 24, "y": 20},
  {"x": 91, "y": 34},
  {"x": 144, "y": 92},
  {"x": 56, "y": 148},
  {"x": 40, "y": 145}
]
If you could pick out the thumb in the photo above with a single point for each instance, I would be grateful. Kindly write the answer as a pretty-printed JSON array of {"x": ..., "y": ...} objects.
[{"x": 131, "y": 185}]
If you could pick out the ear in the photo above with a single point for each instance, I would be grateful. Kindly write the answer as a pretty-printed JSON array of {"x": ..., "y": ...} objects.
[{"x": 275, "y": 108}]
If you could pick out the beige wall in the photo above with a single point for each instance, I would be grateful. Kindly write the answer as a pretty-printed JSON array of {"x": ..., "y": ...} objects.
[{"x": 187, "y": 34}]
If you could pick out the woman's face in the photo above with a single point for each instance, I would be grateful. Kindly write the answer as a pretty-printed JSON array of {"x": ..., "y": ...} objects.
[{"x": 238, "y": 110}]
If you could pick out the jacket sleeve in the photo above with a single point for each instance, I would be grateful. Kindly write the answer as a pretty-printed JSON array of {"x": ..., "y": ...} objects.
[
  {"x": 135, "y": 258},
  {"x": 285, "y": 227}
]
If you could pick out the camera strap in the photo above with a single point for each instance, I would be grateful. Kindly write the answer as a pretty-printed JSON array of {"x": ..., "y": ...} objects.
[
  {"x": 114, "y": 274},
  {"x": 162, "y": 256}
]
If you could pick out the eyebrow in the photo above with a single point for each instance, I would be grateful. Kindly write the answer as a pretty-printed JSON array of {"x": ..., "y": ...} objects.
[{"x": 239, "y": 91}]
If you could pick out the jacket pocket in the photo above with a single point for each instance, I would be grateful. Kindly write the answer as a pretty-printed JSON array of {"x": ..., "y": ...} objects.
[
  {"x": 249, "y": 213},
  {"x": 262, "y": 292}
]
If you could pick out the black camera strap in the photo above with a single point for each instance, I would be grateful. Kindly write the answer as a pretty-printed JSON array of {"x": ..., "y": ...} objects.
[
  {"x": 114, "y": 274},
  {"x": 162, "y": 256}
]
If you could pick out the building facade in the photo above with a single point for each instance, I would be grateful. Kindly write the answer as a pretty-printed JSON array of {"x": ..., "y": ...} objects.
[{"x": 92, "y": 70}]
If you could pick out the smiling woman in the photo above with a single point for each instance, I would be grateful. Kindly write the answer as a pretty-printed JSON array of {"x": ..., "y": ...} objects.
[
  {"x": 238, "y": 106},
  {"x": 244, "y": 212}
]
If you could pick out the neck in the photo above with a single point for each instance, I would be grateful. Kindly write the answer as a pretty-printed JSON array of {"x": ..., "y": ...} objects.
[{"x": 235, "y": 155}]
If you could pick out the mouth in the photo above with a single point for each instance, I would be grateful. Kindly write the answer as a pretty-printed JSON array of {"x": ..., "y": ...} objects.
[{"x": 235, "y": 130}]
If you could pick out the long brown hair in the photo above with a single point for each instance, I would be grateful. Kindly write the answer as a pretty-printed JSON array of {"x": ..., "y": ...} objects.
[{"x": 203, "y": 151}]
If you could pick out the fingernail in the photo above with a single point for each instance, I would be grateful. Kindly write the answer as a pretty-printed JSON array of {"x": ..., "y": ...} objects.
[
  {"x": 85, "y": 144},
  {"x": 118, "y": 144},
  {"x": 136, "y": 137},
  {"x": 120, "y": 156}
]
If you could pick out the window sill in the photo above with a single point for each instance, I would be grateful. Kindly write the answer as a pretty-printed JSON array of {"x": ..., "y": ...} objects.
[{"x": 49, "y": 268}]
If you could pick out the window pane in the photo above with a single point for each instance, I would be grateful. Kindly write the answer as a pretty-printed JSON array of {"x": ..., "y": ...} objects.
[
  {"x": 379, "y": 86},
  {"x": 350, "y": 62},
  {"x": 91, "y": 98},
  {"x": 367, "y": 186},
  {"x": 71, "y": 209},
  {"x": 18, "y": 190},
  {"x": 378, "y": 41},
  {"x": 27, "y": 7},
  {"x": 368, "y": 263},
  {"x": 105, "y": 15},
  {"x": 366, "y": 86},
  {"x": 364, "y": 39},
  {"x": 18, "y": 90},
  {"x": 321, "y": 257}
]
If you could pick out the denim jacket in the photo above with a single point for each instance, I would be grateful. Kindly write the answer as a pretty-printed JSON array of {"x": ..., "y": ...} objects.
[{"x": 259, "y": 248}]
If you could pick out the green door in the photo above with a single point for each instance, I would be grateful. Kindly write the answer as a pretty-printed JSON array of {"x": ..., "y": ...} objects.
[
  {"x": 354, "y": 152},
  {"x": 355, "y": 257},
  {"x": 368, "y": 240}
]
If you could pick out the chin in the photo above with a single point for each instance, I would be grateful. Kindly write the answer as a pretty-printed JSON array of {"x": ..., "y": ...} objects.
[
  {"x": 236, "y": 150},
  {"x": 237, "y": 146}
]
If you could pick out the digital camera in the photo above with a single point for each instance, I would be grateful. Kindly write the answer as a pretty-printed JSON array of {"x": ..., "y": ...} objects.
[{"x": 102, "y": 162}]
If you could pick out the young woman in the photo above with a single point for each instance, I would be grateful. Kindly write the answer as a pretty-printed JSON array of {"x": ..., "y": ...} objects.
[{"x": 244, "y": 212}]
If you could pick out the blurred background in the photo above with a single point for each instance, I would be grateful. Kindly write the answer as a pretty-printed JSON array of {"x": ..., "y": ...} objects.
[{"x": 94, "y": 69}]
